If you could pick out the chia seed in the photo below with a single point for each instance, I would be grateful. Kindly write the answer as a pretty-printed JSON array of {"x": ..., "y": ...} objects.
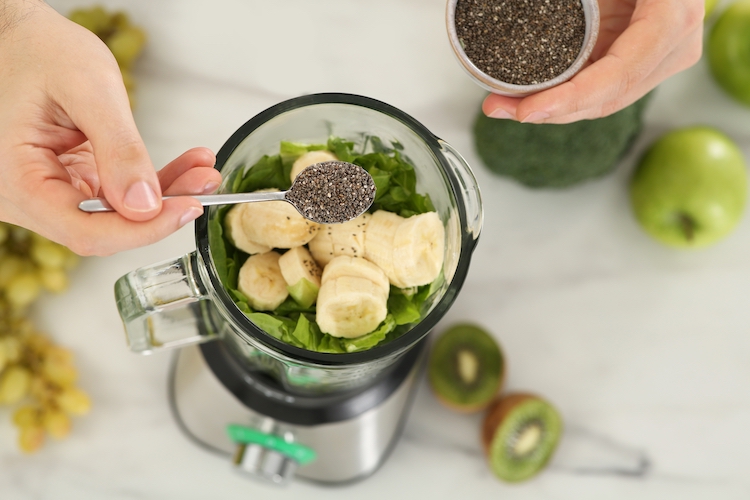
[
  {"x": 332, "y": 192},
  {"x": 521, "y": 42}
]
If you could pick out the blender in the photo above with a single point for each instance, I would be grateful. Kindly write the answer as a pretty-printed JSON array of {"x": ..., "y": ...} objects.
[{"x": 278, "y": 410}]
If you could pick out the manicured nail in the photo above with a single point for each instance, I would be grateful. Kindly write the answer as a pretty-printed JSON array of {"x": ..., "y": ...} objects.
[
  {"x": 140, "y": 197},
  {"x": 210, "y": 187},
  {"x": 190, "y": 214},
  {"x": 501, "y": 113},
  {"x": 535, "y": 117}
]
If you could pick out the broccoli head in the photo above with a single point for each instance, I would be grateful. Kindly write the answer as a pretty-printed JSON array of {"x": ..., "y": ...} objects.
[{"x": 544, "y": 155}]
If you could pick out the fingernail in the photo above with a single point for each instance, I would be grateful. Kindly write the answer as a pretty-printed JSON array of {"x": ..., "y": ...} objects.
[
  {"x": 535, "y": 117},
  {"x": 190, "y": 214},
  {"x": 140, "y": 197},
  {"x": 210, "y": 187},
  {"x": 500, "y": 113}
]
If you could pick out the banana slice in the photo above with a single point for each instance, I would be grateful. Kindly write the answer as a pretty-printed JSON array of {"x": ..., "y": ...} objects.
[
  {"x": 333, "y": 240},
  {"x": 356, "y": 267},
  {"x": 310, "y": 158},
  {"x": 379, "y": 235},
  {"x": 297, "y": 264},
  {"x": 236, "y": 233},
  {"x": 261, "y": 281},
  {"x": 302, "y": 275},
  {"x": 277, "y": 224},
  {"x": 418, "y": 250},
  {"x": 350, "y": 307}
]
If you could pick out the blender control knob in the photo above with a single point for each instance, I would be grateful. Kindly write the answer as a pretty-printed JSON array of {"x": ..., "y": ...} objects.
[
  {"x": 263, "y": 463},
  {"x": 267, "y": 456}
]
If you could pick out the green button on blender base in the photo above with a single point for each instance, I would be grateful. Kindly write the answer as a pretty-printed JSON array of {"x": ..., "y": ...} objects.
[{"x": 247, "y": 435}]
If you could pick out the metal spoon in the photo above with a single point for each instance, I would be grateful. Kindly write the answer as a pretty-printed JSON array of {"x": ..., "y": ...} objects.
[{"x": 329, "y": 192}]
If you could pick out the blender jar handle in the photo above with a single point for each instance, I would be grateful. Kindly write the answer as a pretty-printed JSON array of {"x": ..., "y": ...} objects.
[
  {"x": 472, "y": 196},
  {"x": 161, "y": 305}
]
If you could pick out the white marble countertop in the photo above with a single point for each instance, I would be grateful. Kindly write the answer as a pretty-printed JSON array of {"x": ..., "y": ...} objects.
[{"x": 645, "y": 350}]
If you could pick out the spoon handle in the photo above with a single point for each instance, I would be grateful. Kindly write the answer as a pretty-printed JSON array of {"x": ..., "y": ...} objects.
[{"x": 101, "y": 205}]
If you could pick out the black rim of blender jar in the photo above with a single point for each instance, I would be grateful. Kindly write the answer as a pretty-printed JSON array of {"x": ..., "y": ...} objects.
[{"x": 380, "y": 351}]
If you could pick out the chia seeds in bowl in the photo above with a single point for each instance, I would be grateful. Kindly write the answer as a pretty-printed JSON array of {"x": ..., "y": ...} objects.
[{"x": 520, "y": 47}]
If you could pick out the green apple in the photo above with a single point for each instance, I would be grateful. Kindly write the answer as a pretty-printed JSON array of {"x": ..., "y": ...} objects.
[
  {"x": 710, "y": 4},
  {"x": 729, "y": 50},
  {"x": 689, "y": 188}
]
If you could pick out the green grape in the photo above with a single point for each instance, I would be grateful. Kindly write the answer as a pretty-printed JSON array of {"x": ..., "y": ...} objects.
[
  {"x": 37, "y": 343},
  {"x": 48, "y": 254},
  {"x": 119, "y": 20},
  {"x": 19, "y": 235},
  {"x": 61, "y": 375},
  {"x": 126, "y": 45},
  {"x": 14, "y": 384},
  {"x": 94, "y": 19},
  {"x": 41, "y": 390},
  {"x": 54, "y": 280},
  {"x": 11, "y": 348},
  {"x": 31, "y": 438},
  {"x": 59, "y": 355},
  {"x": 4, "y": 232},
  {"x": 71, "y": 260},
  {"x": 26, "y": 416},
  {"x": 10, "y": 266},
  {"x": 23, "y": 289},
  {"x": 74, "y": 401},
  {"x": 24, "y": 327},
  {"x": 58, "y": 367},
  {"x": 56, "y": 423}
]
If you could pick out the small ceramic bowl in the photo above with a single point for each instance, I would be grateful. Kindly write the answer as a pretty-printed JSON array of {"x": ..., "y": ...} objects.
[{"x": 591, "y": 13}]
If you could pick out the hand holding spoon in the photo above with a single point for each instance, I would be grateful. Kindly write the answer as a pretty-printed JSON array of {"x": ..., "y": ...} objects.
[{"x": 330, "y": 192}]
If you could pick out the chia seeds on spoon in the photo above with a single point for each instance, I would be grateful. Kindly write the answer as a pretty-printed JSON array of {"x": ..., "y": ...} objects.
[
  {"x": 332, "y": 192},
  {"x": 521, "y": 42}
]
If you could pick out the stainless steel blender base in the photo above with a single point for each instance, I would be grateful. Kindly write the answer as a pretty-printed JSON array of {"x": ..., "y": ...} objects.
[{"x": 347, "y": 450}]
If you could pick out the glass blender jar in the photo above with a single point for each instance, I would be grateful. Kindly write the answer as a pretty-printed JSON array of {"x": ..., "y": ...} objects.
[{"x": 183, "y": 302}]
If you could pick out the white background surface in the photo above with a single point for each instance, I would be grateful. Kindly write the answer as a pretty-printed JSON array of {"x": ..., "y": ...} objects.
[{"x": 645, "y": 350}]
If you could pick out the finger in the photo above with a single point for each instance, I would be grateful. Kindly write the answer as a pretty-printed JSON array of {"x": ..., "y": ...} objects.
[
  {"x": 98, "y": 105},
  {"x": 78, "y": 183},
  {"x": 196, "y": 157},
  {"x": 689, "y": 51},
  {"x": 197, "y": 180},
  {"x": 59, "y": 139},
  {"x": 635, "y": 55},
  {"x": 500, "y": 106},
  {"x": 109, "y": 233},
  {"x": 100, "y": 233},
  {"x": 80, "y": 164},
  {"x": 503, "y": 107}
]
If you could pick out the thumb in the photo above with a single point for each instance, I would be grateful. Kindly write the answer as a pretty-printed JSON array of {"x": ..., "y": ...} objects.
[{"x": 101, "y": 110}]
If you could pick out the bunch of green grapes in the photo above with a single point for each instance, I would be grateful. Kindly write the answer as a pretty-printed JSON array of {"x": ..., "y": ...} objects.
[
  {"x": 33, "y": 371},
  {"x": 30, "y": 263},
  {"x": 125, "y": 40}
]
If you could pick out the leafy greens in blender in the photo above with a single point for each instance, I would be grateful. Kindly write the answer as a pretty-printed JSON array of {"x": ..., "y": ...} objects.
[{"x": 294, "y": 321}]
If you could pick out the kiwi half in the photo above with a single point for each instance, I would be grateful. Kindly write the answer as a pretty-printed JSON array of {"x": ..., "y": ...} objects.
[
  {"x": 520, "y": 433},
  {"x": 466, "y": 368}
]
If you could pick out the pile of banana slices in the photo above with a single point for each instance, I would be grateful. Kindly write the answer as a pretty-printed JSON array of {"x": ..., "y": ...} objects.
[{"x": 345, "y": 269}]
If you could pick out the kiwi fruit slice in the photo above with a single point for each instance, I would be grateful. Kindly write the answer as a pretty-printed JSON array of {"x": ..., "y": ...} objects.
[
  {"x": 520, "y": 433},
  {"x": 466, "y": 368}
]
